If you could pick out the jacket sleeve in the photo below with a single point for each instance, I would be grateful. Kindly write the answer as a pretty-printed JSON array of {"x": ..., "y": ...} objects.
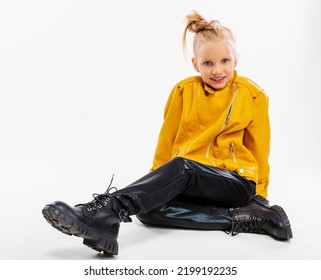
[
  {"x": 167, "y": 135},
  {"x": 257, "y": 140}
]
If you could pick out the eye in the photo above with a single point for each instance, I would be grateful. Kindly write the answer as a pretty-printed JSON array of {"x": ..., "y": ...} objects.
[
  {"x": 208, "y": 63},
  {"x": 225, "y": 60}
]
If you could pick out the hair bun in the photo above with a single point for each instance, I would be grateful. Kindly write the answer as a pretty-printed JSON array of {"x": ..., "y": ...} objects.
[
  {"x": 205, "y": 30},
  {"x": 195, "y": 22}
]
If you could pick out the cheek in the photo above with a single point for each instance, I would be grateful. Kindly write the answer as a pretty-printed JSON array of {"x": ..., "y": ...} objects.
[
  {"x": 229, "y": 70},
  {"x": 205, "y": 71}
]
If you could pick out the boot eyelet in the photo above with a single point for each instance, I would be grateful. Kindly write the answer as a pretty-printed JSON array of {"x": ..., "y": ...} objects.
[
  {"x": 105, "y": 203},
  {"x": 99, "y": 206},
  {"x": 89, "y": 209}
]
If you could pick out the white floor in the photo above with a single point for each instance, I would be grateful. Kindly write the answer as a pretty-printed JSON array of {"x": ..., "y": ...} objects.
[{"x": 26, "y": 235}]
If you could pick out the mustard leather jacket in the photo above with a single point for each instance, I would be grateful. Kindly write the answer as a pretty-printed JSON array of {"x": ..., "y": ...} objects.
[{"x": 227, "y": 128}]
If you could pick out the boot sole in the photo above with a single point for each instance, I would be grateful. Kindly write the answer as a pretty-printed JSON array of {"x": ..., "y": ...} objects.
[
  {"x": 265, "y": 203},
  {"x": 67, "y": 225}
]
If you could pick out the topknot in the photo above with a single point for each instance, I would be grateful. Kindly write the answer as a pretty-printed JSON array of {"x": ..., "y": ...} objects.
[{"x": 204, "y": 30}]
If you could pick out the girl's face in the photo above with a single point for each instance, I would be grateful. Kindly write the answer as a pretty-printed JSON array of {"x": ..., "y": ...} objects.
[{"x": 215, "y": 61}]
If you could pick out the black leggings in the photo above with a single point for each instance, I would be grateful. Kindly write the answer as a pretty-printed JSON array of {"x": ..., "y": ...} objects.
[{"x": 185, "y": 182}]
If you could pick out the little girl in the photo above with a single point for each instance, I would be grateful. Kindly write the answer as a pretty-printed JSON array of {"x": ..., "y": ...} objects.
[{"x": 210, "y": 169}]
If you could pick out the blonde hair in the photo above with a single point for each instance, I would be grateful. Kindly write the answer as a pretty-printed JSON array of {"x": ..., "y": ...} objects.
[{"x": 207, "y": 31}]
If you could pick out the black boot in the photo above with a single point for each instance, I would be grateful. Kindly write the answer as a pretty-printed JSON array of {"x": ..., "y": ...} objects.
[
  {"x": 97, "y": 222},
  {"x": 259, "y": 217}
]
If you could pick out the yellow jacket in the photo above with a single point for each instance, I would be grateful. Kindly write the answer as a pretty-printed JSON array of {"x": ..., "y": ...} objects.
[{"x": 227, "y": 128}]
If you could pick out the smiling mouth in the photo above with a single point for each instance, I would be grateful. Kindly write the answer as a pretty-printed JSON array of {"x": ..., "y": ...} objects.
[{"x": 218, "y": 80}]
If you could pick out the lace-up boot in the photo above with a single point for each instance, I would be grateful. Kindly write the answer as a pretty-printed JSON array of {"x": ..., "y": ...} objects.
[
  {"x": 97, "y": 222},
  {"x": 259, "y": 217}
]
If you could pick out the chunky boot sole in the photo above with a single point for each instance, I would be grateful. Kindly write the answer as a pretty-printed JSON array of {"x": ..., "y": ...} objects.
[
  {"x": 92, "y": 238},
  {"x": 265, "y": 203},
  {"x": 285, "y": 220}
]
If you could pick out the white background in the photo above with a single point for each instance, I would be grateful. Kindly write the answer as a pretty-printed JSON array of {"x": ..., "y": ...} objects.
[{"x": 83, "y": 86}]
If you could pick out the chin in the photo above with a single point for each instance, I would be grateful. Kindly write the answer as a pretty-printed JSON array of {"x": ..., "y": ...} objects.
[{"x": 218, "y": 86}]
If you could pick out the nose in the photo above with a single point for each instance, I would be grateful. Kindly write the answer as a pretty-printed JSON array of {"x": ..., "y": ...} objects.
[{"x": 216, "y": 69}]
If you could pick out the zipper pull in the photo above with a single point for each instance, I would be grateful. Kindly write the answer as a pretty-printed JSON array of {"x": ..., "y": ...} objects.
[{"x": 232, "y": 148}]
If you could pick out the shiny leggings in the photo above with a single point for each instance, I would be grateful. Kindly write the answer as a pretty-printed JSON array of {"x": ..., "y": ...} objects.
[{"x": 184, "y": 193}]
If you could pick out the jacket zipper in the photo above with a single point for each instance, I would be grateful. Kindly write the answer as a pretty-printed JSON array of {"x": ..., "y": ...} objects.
[
  {"x": 232, "y": 151},
  {"x": 228, "y": 116},
  {"x": 227, "y": 119}
]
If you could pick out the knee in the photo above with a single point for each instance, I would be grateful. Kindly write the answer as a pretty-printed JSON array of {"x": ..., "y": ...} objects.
[
  {"x": 178, "y": 160},
  {"x": 174, "y": 165},
  {"x": 181, "y": 162}
]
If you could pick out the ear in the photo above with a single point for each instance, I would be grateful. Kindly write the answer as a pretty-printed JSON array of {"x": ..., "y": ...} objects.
[
  {"x": 236, "y": 61},
  {"x": 195, "y": 64}
]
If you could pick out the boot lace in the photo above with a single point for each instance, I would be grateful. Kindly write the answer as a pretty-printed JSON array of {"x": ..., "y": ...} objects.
[
  {"x": 100, "y": 200},
  {"x": 245, "y": 224}
]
